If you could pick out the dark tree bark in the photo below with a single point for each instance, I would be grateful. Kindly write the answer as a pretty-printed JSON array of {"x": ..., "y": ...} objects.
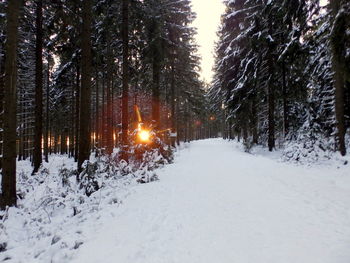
[
  {"x": 77, "y": 112},
  {"x": 85, "y": 94},
  {"x": 156, "y": 92},
  {"x": 172, "y": 98},
  {"x": 125, "y": 95},
  {"x": 339, "y": 69},
  {"x": 109, "y": 115},
  {"x": 8, "y": 185},
  {"x": 285, "y": 103},
  {"x": 271, "y": 116},
  {"x": 38, "y": 128},
  {"x": 97, "y": 119},
  {"x": 271, "y": 96},
  {"x": 47, "y": 118},
  {"x": 2, "y": 65}
]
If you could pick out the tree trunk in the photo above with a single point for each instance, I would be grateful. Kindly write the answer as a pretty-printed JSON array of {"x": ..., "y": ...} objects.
[
  {"x": 10, "y": 101},
  {"x": 109, "y": 115},
  {"x": 38, "y": 128},
  {"x": 172, "y": 98},
  {"x": 47, "y": 118},
  {"x": 77, "y": 112},
  {"x": 2, "y": 66},
  {"x": 285, "y": 105},
  {"x": 97, "y": 119},
  {"x": 271, "y": 117},
  {"x": 125, "y": 95},
  {"x": 271, "y": 97},
  {"x": 156, "y": 93},
  {"x": 338, "y": 65},
  {"x": 85, "y": 96}
]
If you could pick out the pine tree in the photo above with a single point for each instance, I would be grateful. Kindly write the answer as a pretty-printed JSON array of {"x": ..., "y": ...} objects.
[
  {"x": 9, "y": 197},
  {"x": 125, "y": 92},
  {"x": 85, "y": 96},
  {"x": 37, "y": 156}
]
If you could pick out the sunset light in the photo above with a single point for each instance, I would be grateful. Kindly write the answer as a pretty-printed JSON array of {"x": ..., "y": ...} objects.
[
  {"x": 144, "y": 135},
  {"x": 207, "y": 24}
]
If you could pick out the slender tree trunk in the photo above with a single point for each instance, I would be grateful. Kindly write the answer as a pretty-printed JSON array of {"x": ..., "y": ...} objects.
[
  {"x": 156, "y": 93},
  {"x": 103, "y": 117},
  {"x": 97, "y": 120},
  {"x": 47, "y": 118},
  {"x": 85, "y": 96},
  {"x": 285, "y": 105},
  {"x": 77, "y": 112},
  {"x": 10, "y": 101},
  {"x": 125, "y": 94},
  {"x": 271, "y": 98},
  {"x": 271, "y": 117},
  {"x": 254, "y": 121},
  {"x": 172, "y": 98},
  {"x": 38, "y": 129},
  {"x": 177, "y": 122},
  {"x": 109, "y": 115}
]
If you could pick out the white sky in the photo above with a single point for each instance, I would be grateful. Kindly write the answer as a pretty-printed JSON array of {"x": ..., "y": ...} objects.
[{"x": 207, "y": 23}]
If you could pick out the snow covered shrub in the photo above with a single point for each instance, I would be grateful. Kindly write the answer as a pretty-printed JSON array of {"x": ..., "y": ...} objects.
[
  {"x": 88, "y": 178},
  {"x": 146, "y": 157},
  {"x": 248, "y": 144},
  {"x": 310, "y": 146},
  {"x": 64, "y": 173}
]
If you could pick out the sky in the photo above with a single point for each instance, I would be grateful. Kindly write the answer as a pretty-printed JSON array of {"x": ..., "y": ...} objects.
[{"x": 207, "y": 23}]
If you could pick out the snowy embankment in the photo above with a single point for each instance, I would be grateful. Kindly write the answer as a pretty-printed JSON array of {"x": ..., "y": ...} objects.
[
  {"x": 215, "y": 203},
  {"x": 54, "y": 211}
]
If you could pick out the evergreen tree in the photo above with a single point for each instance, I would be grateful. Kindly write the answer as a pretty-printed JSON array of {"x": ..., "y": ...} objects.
[{"x": 8, "y": 187}]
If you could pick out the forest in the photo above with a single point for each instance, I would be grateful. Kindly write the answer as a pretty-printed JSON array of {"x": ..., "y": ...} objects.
[
  {"x": 99, "y": 96},
  {"x": 282, "y": 73},
  {"x": 88, "y": 73}
]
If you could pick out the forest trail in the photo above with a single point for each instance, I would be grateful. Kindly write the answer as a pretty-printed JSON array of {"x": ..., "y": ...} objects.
[{"x": 217, "y": 203}]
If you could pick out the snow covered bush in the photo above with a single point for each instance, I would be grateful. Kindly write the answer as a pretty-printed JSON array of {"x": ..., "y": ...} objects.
[
  {"x": 53, "y": 202},
  {"x": 310, "y": 146}
]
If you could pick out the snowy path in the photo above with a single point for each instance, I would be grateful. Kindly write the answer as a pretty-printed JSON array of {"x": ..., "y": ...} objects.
[{"x": 219, "y": 204}]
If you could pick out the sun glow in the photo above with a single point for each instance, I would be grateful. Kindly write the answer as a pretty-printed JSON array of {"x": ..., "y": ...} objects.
[{"x": 144, "y": 135}]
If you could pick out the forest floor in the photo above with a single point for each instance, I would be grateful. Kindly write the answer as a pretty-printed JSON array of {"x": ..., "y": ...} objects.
[{"x": 216, "y": 203}]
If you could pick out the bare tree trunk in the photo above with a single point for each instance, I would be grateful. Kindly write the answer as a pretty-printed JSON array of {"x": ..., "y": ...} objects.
[
  {"x": 38, "y": 128},
  {"x": 109, "y": 114},
  {"x": 285, "y": 105},
  {"x": 10, "y": 101},
  {"x": 97, "y": 120},
  {"x": 85, "y": 96},
  {"x": 156, "y": 93},
  {"x": 271, "y": 117},
  {"x": 172, "y": 98},
  {"x": 339, "y": 64},
  {"x": 125, "y": 95},
  {"x": 271, "y": 99},
  {"x": 77, "y": 112},
  {"x": 47, "y": 119},
  {"x": 2, "y": 66}
]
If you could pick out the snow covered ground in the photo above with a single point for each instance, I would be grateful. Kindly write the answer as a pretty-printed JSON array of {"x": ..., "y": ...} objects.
[
  {"x": 215, "y": 203},
  {"x": 219, "y": 204}
]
